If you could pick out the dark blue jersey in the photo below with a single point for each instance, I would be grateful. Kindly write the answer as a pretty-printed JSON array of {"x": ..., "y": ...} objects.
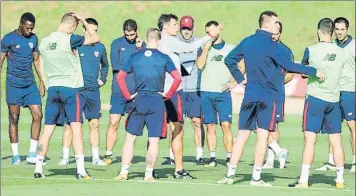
[
  {"x": 149, "y": 67},
  {"x": 94, "y": 62},
  {"x": 19, "y": 50},
  {"x": 263, "y": 60}
]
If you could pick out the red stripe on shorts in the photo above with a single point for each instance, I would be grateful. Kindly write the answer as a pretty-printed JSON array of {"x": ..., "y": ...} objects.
[
  {"x": 305, "y": 116},
  {"x": 77, "y": 107},
  {"x": 179, "y": 108},
  {"x": 164, "y": 125},
  {"x": 273, "y": 119}
]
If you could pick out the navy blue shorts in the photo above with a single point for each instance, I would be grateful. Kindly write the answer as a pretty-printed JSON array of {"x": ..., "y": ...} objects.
[
  {"x": 63, "y": 105},
  {"x": 90, "y": 103},
  {"x": 279, "y": 111},
  {"x": 192, "y": 104},
  {"x": 147, "y": 110},
  {"x": 23, "y": 96},
  {"x": 216, "y": 104},
  {"x": 261, "y": 114},
  {"x": 348, "y": 102},
  {"x": 321, "y": 116},
  {"x": 119, "y": 105},
  {"x": 174, "y": 107}
]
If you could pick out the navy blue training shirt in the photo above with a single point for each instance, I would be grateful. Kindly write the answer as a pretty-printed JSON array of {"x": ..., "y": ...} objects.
[
  {"x": 263, "y": 59},
  {"x": 288, "y": 52},
  {"x": 121, "y": 50},
  {"x": 149, "y": 67},
  {"x": 19, "y": 50},
  {"x": 91, "y": 57}
]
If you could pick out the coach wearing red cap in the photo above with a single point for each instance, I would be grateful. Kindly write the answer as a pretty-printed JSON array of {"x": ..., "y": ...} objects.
[{"x": 191, "y": 86}]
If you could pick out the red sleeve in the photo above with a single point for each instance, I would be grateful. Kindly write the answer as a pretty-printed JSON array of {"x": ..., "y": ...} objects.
[
  {"x": 177, "y": 80},
  {"x": 120, "y": 79}
]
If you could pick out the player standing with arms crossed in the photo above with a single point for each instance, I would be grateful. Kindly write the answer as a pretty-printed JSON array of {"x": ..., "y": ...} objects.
[
  {"x": 121, "y": 50},
  {"x": 263, "y": 58},
  {"x": 347, "y": 88},
  {"x": 322, "y": 111},
  {"x": 170, "y": 45},
  {"x": 94, "y": 62},
  {"x": 62, "y": 69},
  {"x": 20, "y": 47},
  {"x": 148, "y": 66}
]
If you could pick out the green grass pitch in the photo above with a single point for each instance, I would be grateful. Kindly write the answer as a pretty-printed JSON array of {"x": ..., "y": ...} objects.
[{"x": 299, "y": 22}]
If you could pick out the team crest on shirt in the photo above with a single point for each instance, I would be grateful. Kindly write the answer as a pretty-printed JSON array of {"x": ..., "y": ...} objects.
[
  {"x": 96, "y": 53},
  {"x": 31, "y": 45},
  {"x": 148, "y": 53}
]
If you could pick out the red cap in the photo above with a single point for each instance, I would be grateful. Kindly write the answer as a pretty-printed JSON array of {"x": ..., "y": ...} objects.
[{"x": 187, "y": 21}]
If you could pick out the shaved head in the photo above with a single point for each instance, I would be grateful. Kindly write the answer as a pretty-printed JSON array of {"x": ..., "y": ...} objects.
[{"x": 69, "y": 18}]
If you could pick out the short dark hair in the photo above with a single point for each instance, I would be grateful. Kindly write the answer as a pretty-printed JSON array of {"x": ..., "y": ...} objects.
[
  {"x": 263, "y": 15},
  {"x": 164, "y": 19},
  {"x": 326, "y": 25},
  {"x": 69, "y": 18},
  {"x": 27, "y": 16},
  {"x": 129, "y": 25},
  {"x": 280, "y": 27},
  {"x": 342, "y": 20},
  {"x": 153, "y": 33},
  {"x": 213, "y": 22},
  {"x": 91, "y": 21}
]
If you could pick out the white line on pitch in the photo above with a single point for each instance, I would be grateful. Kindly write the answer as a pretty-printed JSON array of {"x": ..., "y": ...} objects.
[{"x": 172, "y": 182}]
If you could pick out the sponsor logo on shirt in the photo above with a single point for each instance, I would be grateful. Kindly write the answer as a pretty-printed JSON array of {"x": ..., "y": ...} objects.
[
  {"x": 122, "y": 49},
  {"x": 349, "y": 114},
  {"x": 17, "y": 46},
  {"x": 96, "y": 53},
  {"x": 31, "y": 45},
  {"x": 148, "y": 53},
  {"x": 81, "y": 54}
]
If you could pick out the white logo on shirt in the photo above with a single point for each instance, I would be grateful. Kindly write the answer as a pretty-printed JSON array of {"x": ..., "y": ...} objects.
[
  {"x": 186, "y": 20},
  {"x": 148, "y": 53},
  {"x": 81, "y": 54},
  {"x": 122, "y": 48},
  {"x": 17, "y": 46},
  {"x": 31, "y": 45},
  {"x": 278, "y": 115},
  {"x": 96, "y": 53},
  {"x": 349, "y": 114}
]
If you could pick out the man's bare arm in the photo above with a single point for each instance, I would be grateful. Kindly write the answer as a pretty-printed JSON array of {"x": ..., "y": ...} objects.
[{"x": 3, "y": 56}]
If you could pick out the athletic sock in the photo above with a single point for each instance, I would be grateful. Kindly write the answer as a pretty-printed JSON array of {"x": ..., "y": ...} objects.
[
  {"x": 15, "y": 149},
  {"x": 79, "y": 158},
  {"x": 304, "y": 176},
  {"x": 33, "y": 145}
]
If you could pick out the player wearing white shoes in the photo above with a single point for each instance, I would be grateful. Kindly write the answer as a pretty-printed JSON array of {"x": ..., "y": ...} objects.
[
  {"x": 347, "y": 88},
  {"x": 94, "y": 64}
]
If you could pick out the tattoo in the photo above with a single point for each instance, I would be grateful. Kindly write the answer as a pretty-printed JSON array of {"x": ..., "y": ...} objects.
[
  {"x": 149, "y": 158},
  {"x": 40, "y": 148}
]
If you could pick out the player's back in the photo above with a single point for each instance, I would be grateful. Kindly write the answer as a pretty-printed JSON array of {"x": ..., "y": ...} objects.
[
  {"x": 61, "y": 63},
  {"x": 261, "y": 71},
  {"x": 330, "y": 59},
  {"x": 149, "y": 68}
]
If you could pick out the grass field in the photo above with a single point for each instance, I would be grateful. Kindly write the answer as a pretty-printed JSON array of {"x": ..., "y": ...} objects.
[{"x": 299, "y": 19}]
